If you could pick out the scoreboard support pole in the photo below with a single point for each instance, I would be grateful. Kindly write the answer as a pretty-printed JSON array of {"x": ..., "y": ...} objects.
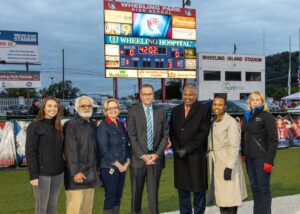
[
  {"x": 163, "y": 90},
  {"x": 115, "y": 87},
  {"x": 184, "y": 82},
  {"x": 140, "y": 84}
]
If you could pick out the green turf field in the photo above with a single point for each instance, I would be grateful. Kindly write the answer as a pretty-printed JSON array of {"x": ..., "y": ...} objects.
[{"x": 16, "y": 195}]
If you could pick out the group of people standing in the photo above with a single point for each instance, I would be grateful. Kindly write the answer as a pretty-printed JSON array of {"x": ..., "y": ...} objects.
[{"x": 83, "y": 155}]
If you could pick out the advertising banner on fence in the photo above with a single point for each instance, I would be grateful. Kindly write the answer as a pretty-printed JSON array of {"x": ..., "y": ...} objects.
[
  {"x": 20, "y": 132},
  {"x": 19, "y": 47},
  {"x": 20, "y": 79},
  {"x": 288, "y": 128},
  {"x": 7, "y": 144}
]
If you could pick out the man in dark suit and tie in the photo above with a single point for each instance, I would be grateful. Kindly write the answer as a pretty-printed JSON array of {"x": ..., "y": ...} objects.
[
  {"x": 189, "y": 128},
  {"x": 148, "y": 132}
]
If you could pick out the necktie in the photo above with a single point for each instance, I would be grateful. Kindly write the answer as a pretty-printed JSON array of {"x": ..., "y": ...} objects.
[
  {"x": 186, "y": 111},
  {"x": 149, "y": 130}
]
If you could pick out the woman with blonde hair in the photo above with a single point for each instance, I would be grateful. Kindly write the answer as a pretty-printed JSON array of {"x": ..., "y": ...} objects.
[
  {"x": 44, "y": 155},
  {"x": 259, "y": 143},
  {"x": 113, "y": 144}
]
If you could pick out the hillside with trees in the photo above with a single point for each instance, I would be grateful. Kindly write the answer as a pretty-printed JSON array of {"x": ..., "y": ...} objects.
[{"x": 277, "y": 67}]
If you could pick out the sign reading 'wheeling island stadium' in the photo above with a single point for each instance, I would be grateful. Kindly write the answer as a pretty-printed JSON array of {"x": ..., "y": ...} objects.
[
  {"x": 149, "y": 41},
  {"x": 19, "y": 47}
]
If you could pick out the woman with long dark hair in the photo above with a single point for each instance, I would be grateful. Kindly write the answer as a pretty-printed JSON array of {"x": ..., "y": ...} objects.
[{"x": 44, "y": 155}]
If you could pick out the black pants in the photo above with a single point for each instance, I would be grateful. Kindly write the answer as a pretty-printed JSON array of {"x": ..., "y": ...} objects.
[
  {"x": 228, "y": 210},
  {"x": 151, "y": 175}
]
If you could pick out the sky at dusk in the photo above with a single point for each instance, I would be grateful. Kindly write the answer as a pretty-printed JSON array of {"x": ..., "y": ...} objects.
[{"x": 77, "y": 27}]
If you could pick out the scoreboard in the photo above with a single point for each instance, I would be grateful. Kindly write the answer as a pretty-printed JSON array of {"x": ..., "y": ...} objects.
[
  {"x": 151, "y": 57},
  {"x": 149, "y": 41}
]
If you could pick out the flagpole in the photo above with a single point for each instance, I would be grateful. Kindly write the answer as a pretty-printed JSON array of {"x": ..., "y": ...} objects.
[
  {"x": 299, "y": 64},
  {"x": 290, "y": 63}
]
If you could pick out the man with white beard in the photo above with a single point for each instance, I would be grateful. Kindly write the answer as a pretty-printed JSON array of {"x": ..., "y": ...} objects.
[{"x": 80, "y": 153}]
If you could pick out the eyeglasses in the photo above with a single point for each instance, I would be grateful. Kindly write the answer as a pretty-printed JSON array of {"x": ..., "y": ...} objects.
[
  {"x": 148, "y": 95},
  {"x": 112, "y": 108},
  {"x": 86, "y": 106},
  {"x": 256, "y": 99}
]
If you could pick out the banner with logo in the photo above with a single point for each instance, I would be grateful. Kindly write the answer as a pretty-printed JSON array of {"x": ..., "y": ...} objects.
[
  {"x": 7, "y": 145},
  {"x": 20, "y": 79},
  {"x": 20, "y": 132}
]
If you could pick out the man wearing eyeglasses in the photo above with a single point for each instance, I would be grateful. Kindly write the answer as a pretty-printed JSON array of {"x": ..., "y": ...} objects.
[
  {"x": 148, "y": 132},
  {"x": 80, "y": 154}
]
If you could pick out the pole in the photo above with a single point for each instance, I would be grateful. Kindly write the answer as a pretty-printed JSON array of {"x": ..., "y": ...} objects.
[
  {"x": 290, "y": 64},
  {"x": 52, "y": 80},
  {"x": 299, "y": 64},
  {"x": 264, "y": 48},
  {"x": 63, "y": 73},
  {"x": 263, "y": 52},
  {"x": 115, "y": 86},
  {"x": 163, "y": 90},
  {"x": 184, "y": 80},
  {"x": 27, "y": 91},
  {"x": 140, "y": 84}
]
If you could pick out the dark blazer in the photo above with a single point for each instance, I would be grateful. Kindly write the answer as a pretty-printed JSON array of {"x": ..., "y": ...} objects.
[
  {"x": 137, "y": 126},
  {"x": 113, "y": 144},
  {"x": 190, "y": 133},
  {"x": 80, "y": 152}
]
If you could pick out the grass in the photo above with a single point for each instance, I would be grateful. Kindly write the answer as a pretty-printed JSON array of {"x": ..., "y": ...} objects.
[{"x": 17, "y": 196}]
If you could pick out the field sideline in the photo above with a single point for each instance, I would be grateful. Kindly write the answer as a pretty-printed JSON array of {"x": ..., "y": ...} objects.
[{"x": 17, "y": 196}]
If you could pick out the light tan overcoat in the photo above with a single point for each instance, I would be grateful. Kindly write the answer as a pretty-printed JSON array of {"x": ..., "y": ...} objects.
[{"x": 225, "y": 153}]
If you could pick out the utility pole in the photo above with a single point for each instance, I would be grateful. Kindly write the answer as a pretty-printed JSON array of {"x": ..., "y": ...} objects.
[
  {"x": 52, "y": 78},
  {"x": 63, "y": 73}
]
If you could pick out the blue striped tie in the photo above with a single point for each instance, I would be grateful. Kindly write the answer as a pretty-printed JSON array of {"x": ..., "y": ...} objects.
[{"x": 149, "y": 130}]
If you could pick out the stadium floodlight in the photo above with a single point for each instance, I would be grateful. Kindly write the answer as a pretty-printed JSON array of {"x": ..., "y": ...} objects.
[{"x": 186, "y": 3}]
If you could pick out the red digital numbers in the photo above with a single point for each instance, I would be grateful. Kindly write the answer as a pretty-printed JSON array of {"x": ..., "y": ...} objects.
[
  {"x": 177, "y": 54},
  {"x": 131, "y": 52},
  {"x": 170, "y": 66},
  {"x": 148, "y": 50}
]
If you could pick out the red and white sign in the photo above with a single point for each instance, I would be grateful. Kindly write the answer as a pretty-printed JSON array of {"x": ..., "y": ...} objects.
[
  {"x": 147, "y": 8},
  {"x": 20, "y": 79},
  {"x": 152, "y": 74}
]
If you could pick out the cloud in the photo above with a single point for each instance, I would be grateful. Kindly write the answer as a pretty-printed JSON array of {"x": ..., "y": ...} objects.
[{"x": 77, "y": 27}]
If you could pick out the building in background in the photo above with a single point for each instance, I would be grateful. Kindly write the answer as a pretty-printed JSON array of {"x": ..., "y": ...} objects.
[{"x": 230, "y": 75}]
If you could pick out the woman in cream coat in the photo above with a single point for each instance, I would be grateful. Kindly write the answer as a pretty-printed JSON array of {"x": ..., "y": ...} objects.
[{"x": 224, "y": 159}]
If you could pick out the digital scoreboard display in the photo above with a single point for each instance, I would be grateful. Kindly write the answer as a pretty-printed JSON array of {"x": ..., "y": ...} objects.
[
  {"x": 149, "y": 41},
  {"x": 151, "y": 57}
]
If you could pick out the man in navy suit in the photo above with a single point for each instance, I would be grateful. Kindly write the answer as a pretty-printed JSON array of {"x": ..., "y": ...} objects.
[{"x": 148, "y": 132}]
